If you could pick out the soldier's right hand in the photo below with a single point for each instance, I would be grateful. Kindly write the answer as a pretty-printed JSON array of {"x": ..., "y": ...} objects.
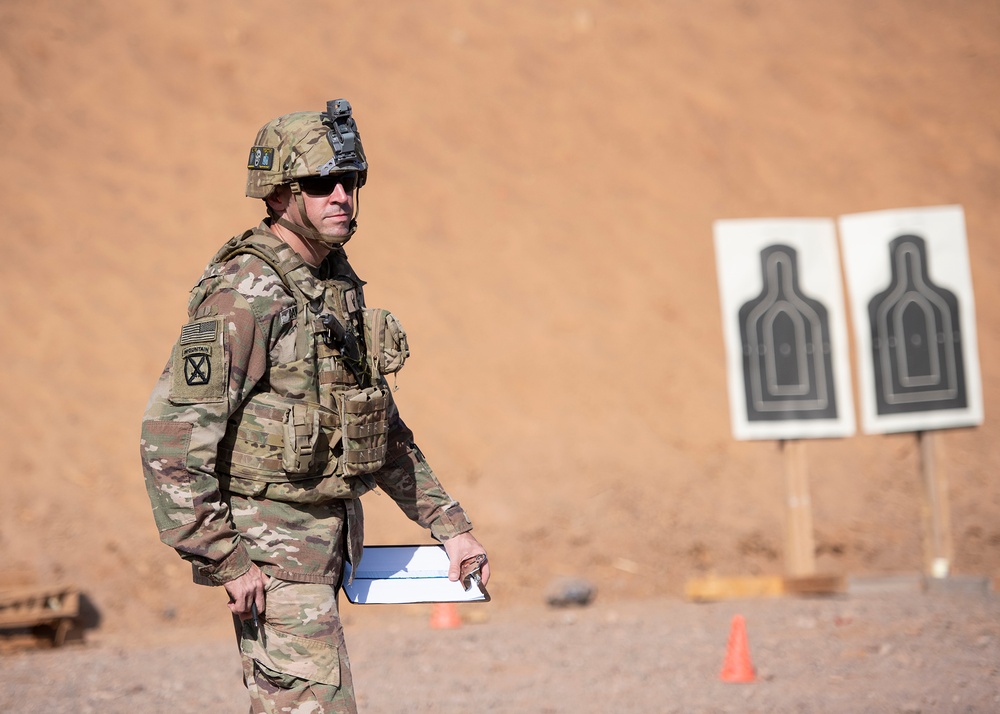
[{"x": 246, "y": 590}]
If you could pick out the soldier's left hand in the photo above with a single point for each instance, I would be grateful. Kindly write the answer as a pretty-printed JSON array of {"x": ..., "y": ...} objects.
[{"x": 462, "y": 547}]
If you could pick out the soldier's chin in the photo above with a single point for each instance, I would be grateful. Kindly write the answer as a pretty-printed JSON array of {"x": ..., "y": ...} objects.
[{"x": 338, "y": 238}]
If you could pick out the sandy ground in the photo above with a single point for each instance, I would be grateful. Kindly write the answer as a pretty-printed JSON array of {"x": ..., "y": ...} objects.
[
  {"x": 905, "y": 653},
  {"x": 544, "y": 180}
]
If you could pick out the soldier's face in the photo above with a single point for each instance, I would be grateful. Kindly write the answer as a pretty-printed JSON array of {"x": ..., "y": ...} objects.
[{"x": 329, "y": 202}]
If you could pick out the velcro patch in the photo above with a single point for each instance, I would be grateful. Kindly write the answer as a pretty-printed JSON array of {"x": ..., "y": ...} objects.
[
  {"x": 261, "y": 158},
  {"x": 199, "y": 367},
  {"x": 199, "y": 332}
]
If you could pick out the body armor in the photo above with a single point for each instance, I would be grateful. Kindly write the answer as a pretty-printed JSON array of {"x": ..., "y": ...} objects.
[{"x": 319, "y": 424}]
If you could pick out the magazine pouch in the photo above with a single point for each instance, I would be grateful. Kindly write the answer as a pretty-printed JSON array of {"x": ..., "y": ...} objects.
[{"x": 364, "y": 419}]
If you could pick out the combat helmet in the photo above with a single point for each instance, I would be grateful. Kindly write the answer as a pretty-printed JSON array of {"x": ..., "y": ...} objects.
[{"x": 303, "y": 144}]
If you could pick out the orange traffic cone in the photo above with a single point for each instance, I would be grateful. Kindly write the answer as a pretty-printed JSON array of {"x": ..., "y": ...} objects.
[
  {"x": 444, "y": 616},
  {"x": 737, "y": 667}
]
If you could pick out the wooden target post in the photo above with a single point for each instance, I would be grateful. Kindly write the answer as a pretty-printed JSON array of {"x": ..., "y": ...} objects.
[
  {"x": 800, "y": 544},
  {"x": 936, "y": 515}
]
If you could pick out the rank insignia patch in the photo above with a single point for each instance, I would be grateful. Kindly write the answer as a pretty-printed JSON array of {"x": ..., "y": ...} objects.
[
  {"x": 261, "y": 158},
  {"x": 197, "y": 369},
  {"x": 351, "y": 299},
  {"x": 287, "y": 315}
]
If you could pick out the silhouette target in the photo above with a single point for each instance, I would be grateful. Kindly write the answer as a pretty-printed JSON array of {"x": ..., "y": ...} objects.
[
  {"x": 916, "y": 337},
  {"x": 787, "y": 355}
]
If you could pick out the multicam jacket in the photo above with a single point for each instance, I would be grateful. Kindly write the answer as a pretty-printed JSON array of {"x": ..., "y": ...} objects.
[{"x": 272, "y": 418}]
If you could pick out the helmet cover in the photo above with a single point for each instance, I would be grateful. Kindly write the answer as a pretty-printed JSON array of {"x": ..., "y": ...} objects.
[{"x": 302, "y": 144}]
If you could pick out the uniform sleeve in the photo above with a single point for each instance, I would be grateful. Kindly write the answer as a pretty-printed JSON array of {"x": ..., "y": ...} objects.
[
  {"x": 219, "y": 357},
  {"x": 407, "y": 478}
]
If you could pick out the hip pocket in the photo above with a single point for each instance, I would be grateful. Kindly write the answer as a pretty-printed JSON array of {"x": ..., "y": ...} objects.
[{"x": 293, "y": 657}]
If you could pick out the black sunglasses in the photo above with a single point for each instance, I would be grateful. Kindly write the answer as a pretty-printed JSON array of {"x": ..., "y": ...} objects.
[{"x": 325, "y": 185}]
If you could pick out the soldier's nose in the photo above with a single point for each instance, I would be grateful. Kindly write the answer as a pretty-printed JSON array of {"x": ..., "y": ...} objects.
[{"x": 339, "y": 194}]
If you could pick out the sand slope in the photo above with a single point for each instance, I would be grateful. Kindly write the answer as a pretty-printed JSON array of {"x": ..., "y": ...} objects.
[{"x": 544, "y": 178}]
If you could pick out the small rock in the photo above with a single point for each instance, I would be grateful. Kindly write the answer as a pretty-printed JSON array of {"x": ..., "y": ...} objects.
[{"x": 568, "y": 592}]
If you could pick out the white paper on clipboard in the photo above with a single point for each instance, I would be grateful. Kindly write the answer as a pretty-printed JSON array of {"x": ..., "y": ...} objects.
[{"x": 397, "y": 574}]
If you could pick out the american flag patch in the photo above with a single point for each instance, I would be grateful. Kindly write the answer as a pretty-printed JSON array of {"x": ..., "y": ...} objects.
[{"x": 199, "y": 332}]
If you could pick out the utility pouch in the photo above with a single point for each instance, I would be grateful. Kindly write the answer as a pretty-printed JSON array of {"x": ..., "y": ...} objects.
[
  {"x": 301, "y": 430},
  {"x": 386, "y": 340},
  {"x": 364, "y": 419}
]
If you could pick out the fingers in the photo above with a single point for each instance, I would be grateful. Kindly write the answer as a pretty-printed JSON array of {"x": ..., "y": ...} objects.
[
  {"x": 259, "y": 598},
  {"x": 461, "y": 549},
  {"x": 242, "y": 606},
  {"x": 246, "y": 591}
]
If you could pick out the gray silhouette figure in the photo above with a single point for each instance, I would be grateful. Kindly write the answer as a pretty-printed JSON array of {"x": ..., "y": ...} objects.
[
  {"x": 787, "y": 356},
  {"x": 916, "y": 337}
]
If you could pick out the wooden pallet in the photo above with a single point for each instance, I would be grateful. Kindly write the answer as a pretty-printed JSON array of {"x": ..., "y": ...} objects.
[
  {"x": 716, "y": 588},
  {"x": 54, "y": 609}
]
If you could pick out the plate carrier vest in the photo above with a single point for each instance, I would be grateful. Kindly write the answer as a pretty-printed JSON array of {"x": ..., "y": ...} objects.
[{"x": 317, "y": 425}]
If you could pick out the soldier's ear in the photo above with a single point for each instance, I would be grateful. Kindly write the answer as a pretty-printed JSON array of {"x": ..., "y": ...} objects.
[{"x": 278, "y": 199}]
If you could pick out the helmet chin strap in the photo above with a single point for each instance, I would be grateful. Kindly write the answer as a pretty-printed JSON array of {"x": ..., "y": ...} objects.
[{"x": 307, "y": 229}]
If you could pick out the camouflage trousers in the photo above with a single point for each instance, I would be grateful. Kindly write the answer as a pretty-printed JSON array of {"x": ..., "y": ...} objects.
[{"x": 296, "y": 662}]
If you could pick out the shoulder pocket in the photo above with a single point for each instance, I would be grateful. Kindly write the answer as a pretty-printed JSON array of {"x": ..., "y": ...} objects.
[
  {"x": 165, "y": 446},
  {"x": 199, "y": 364}
]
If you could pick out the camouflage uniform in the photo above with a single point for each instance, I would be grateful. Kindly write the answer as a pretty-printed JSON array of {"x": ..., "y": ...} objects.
[
  {"x": 259, "y": 439},
  {"x": 298, "y": 663}
]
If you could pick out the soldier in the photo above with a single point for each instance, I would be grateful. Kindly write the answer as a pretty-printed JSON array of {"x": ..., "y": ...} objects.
[{"x": 273, "y": 417}]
